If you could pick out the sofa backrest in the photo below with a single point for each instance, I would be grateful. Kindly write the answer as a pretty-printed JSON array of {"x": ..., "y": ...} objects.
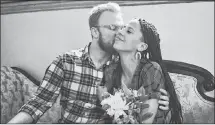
[{"x": 189, "y": 82}]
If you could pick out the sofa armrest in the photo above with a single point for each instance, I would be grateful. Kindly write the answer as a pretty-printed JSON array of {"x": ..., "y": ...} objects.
[
  {"x": 205, "y": 80},
  {"x": 191, "y": 84},
  {"x": 30, "y": 86},
  {"x": 17, "y": 87},
  {"x": 11, "y": 94}
]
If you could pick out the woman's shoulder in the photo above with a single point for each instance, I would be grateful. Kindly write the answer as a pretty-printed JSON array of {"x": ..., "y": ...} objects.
[{"x": 150, "y": 65}]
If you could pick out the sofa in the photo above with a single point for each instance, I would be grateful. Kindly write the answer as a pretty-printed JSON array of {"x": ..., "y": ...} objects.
[{"x": 191, "y": 84}]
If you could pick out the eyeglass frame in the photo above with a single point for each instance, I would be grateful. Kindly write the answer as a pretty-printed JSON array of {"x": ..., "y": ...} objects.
[{"x": 116, "y": 27}]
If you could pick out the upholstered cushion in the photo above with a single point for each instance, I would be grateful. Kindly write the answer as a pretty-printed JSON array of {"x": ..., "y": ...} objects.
[
  {"x": 17, "y": 89},
  {"x": 195, "y": 109},
  {"x": 11, "y": 94}
]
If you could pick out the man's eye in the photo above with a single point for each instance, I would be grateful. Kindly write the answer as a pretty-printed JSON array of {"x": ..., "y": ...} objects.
[{"x": 112, "y": 27}]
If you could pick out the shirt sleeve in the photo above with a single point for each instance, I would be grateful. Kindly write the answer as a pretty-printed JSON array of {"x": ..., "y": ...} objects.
[
  {"x": 47, "y": 92},
  {"x": 153, "y": 80}
]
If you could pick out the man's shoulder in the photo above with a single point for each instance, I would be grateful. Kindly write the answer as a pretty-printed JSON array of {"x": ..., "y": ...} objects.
[
  {"x": 73, "y": 55},
  {"x": 75, "y": 52}
]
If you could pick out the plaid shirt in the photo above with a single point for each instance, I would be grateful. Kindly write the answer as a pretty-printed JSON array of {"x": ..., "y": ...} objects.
[{"x": 74, "y": 76}]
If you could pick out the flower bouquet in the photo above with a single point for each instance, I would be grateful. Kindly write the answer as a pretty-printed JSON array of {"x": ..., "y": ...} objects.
[{"x": 125, "y": 109}]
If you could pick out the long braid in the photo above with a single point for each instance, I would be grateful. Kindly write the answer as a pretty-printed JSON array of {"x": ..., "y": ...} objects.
[{"x": 151, "y": 37}]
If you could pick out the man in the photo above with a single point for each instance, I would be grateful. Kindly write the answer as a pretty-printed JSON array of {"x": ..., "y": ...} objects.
[{"x": 77, "y": 74}]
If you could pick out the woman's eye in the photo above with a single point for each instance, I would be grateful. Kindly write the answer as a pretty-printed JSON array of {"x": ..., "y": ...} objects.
[{"x": 128, "y": 31}]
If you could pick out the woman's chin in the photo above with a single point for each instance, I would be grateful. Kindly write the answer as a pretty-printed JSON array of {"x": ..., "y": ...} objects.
[{"x": 116, "y": 46}]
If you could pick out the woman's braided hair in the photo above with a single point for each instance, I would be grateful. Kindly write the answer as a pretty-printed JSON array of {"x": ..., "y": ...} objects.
[{"x": 153, "y": 53}]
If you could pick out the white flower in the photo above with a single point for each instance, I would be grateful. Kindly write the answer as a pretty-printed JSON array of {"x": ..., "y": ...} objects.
[
  {"x": 135, "y": 93},
  {"x": 117, "y": 104},
  {"x": 110, "y": 112}
]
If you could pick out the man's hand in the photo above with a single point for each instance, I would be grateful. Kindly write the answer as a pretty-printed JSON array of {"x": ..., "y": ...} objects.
[{"x": 164, "y": 100}]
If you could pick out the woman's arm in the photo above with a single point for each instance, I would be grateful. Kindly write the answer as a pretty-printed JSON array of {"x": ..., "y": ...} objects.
[
  {"x": 153, "y": 107},
  {"x": 153, "y": 80},
  {"x": 21, "y": 118}
]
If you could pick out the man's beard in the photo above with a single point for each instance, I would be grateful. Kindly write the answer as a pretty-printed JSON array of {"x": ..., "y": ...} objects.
[{"x": 106, "y": 46}]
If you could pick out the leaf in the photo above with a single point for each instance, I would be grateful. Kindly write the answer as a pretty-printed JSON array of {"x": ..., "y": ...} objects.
[
  {"x": 143, "y": 98},
  {"x": 141, "y": 105}
]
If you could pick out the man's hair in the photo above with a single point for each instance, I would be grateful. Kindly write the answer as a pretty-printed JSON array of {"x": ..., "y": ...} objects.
[{"x": 99, "y": 9}]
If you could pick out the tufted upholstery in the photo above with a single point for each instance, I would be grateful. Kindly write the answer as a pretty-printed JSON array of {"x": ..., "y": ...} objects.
[{"x": 16, "y": 89}]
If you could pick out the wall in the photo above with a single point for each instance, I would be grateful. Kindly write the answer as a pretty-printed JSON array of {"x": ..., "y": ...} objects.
[{"x": 32, "y": 40}]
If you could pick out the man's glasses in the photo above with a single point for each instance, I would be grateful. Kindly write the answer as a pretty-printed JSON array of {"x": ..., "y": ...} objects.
[{"x": 112, "y": 27}]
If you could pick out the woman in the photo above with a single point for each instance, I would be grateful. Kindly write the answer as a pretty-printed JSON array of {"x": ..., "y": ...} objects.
[{"x": 141, "y": 68}]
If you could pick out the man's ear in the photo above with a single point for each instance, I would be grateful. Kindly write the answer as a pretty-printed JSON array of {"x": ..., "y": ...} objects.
[
  {"x": 142, "y": 46},
  {"x": 94, "y": 32}
]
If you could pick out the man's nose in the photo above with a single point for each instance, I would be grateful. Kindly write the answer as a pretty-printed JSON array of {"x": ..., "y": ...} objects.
[{"x": 120, "y": 31}]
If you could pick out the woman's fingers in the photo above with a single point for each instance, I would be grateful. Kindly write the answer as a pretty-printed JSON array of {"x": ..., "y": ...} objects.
[
  {"x": 164, "y": 105},
  {"x": 163, "y": 108},
  {"x": 165, "y": 98},
  {"x": 164, "y": 92}
]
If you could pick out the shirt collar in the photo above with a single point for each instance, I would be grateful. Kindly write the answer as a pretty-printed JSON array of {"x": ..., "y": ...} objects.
[{"x": 86, "y": 53}]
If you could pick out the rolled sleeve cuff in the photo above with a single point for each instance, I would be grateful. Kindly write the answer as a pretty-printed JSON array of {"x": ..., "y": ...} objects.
[{"x": 34, "y": 113}]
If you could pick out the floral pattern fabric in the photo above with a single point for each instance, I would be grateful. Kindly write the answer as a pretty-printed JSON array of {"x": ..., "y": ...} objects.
[
  {"x": 195, "y": 108},
  {"x": 11, "y": 94}
]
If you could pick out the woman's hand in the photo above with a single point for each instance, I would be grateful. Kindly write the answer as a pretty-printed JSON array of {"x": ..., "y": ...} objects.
[
  {"x": 164, "y": 100},
  {"x": 102, "y": 92}
]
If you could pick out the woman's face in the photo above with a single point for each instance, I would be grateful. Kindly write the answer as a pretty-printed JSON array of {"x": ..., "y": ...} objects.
[{"x": 129, "y": 38}]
